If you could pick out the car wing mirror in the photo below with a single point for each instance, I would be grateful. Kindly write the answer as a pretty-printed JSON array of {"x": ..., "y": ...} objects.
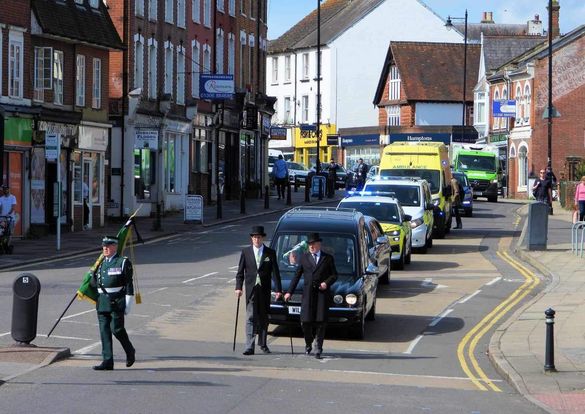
[
  {"x": 382, "y": 240},
  {"x": 372, "y": 269},
  {"x": 407, "y": 217}
]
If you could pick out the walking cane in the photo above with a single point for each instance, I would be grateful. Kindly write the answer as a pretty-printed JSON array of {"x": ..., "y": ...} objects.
[
  {"x": 292, "y": 352},
  {"x": 236, "y": 327}
]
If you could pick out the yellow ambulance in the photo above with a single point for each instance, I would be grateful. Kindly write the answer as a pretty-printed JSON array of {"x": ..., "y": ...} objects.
[{"x": 429, "y": 161}]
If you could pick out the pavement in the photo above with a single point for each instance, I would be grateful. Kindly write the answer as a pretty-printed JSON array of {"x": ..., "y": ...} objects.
[{"x": 516, "y": 348}]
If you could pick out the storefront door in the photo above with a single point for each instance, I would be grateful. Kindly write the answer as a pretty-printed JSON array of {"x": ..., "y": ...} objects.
[{"x": 87, "y": 179}]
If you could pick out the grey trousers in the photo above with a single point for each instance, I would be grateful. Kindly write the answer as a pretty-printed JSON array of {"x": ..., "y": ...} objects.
[
  {"x": 314, "y": 331},
  {"x": 250, "y": 334}
]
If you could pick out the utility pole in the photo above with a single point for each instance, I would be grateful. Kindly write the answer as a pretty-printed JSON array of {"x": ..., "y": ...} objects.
[{"x": 318, "y": 123}]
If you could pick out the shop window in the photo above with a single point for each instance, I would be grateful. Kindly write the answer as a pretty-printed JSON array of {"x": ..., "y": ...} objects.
[
  {"x": 144, "y": 173},
  {"x": 169, "y": 159},
  {"x": 522, "y": 168}
]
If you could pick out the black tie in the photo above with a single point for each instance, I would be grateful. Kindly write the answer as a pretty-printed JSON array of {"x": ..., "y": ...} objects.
[{"x": 315, "y": 257}]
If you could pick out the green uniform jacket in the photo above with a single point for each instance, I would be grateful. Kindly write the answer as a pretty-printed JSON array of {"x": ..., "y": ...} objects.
[{"x": 117, "y": 272}]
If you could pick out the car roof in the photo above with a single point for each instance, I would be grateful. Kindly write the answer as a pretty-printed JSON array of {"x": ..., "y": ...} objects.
[
  {"x": 320, "y": 219},
  {"x": 397, "y": 181},
  {"x": 371, "y": 199}
]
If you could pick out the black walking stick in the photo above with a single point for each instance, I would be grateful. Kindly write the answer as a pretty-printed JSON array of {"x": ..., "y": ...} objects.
[
  {"x": 59, "y": 319},
  {"x": 292, "y": 352},
  {"x": 236, "y": 327}
]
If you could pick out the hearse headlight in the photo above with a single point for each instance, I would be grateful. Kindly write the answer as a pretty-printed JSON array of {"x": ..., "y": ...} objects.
[
  {"x": 416, "y": 222},
  {"x": 338, "y": 299},
  {"x": 351, "y": 299}
]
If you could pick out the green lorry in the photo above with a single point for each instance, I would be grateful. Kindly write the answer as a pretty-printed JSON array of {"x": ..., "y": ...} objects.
[{"x": 482, "y": 170}]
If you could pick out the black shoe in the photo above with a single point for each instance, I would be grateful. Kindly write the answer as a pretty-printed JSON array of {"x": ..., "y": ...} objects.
[
  {"x": 104, "y": 366},
  {"x": 265, "y": 349},
  {"x": 130, "y": 359},
  {"x": 308, "y": 350},
  {"x": 458, "y": 227},
  {"x": 248, "y": 352},
  {"x": 318, "y": 355}
]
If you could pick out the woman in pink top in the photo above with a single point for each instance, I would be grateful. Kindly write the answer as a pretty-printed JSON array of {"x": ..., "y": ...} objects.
[{"x": 580, "y": 198}]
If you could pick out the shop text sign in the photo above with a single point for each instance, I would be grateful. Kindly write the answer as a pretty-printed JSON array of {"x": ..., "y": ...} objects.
[
  {"x": 193, "y": 208},
  {"x": 146, "y": 138},
  {"x": 212, "y": 86},
  {"x": 52, "y": 144}
]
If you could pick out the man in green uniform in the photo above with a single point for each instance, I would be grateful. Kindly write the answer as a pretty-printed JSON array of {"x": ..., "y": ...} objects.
[{"x": 113, "y": 280}]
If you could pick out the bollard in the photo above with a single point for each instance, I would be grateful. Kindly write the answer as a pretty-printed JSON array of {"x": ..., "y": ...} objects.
[
  {"x": 25, "y": 307},
  {"x": 307, "y": 189},
  {"x": 243, "y": 201},
  {"x": 288, "y": 195},
  {"x": 549, "y": 354},
  {"x": 266, "y": 198},
  {"x": 320, "y": 189}
]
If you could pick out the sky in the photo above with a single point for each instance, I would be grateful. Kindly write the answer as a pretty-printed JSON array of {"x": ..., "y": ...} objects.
[{"x": 283, "y": 14}]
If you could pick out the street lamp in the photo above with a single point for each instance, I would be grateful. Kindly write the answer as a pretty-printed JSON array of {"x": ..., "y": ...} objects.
[
  {"x": 449, "y": 26},
  {"x": 318, "y": 124},
  {"x": 550, "y": 111}
]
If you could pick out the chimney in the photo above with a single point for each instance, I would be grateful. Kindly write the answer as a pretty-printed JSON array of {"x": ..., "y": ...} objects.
[
  {"x": 556, "y": 31},
  {"x": 487, "y": 17},
  {"x": 535, "y": 27}
]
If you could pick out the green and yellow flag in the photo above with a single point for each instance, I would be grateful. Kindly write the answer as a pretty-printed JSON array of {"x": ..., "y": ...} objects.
[{"x": 88, "y": 292}]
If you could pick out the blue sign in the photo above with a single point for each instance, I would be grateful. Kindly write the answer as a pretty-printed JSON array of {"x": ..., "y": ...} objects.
[
  {"x": 355, "y": 140},
  {"x": 504, "y": 108},
  {"x": 277, "y": 133},
  {"x": 307, "y": 127},
  {"x": 318, "y": 180},
  {"x": 444, "y": 137},
  {"x": 213, "y": 86}
]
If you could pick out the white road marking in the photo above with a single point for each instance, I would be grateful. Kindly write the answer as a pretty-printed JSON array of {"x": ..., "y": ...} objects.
[
  {"x": 200, "y": 277},
  {"x": 413, "y": 344},
  {"x": 229, "y": 226},
  {"x": 87, "y": 349},
  {"x": 4, "y": 334},
  {"x": 477, "y": 292},
  {"x": 77, "y": 314},
  {"x": 228, "y": 282},
  {"x": 497, "y": 279},
  {"x": 428, "y": 281},
  {"x": 156, "y": 290},
  {"x": 233, "y": 271},
  {"x": 441, "y": 316},
  {"x": 233, "y": 267},
  {"x": 66, "y": 337}
]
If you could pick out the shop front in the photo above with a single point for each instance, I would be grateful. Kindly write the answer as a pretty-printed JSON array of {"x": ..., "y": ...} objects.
[
  {"x": 228, "y": 174},
  {"x": 364, "y": 146},
  {"x": 305, "y": 144},
  {"x": 500, "y": 141},
  {"x": 201, "y": 156}
]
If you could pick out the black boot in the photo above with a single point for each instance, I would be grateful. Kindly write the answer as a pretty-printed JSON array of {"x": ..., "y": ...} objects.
[{"x": 104, "y": 366}]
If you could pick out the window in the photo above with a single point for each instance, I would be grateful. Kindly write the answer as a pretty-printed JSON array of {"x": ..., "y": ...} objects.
[
  {"x": 221, "y": 5},
  {"x": 58, "y": 77},
  {"x": 287, "y": 68},
  {"x": 96, "y": 102},
  {"x": 479, "y": 111},
  {"x": 169, "y": 159},
  {"x": 305, "y": 74},
  {"x": 139, "y": 7},
  {"x": 181, "y": 13},
  {"x": 195, "y": 68},
  {"x": 243, "y": 7},
  {"x": 527, "y": 104},
  {"x": 522, "y": 168},
  {"x": 519, "y": 107},
  {"x": 252, "y": 9},
  {"x": 80, "y": 81},
  {"x": 138, "y": 61},
  {"x": 394, "y": 85},
  {"x": 274, "y": 70},
  {"x": 207, "y": 13},
  {"x": 94, "y": 3},
  {"x": 15, "y": 65},
  {"x": 286, "y": 115},
  {"x": 232, "y": 7},
  {"x": 305, "y": 109},
  {"x": 504, "y": 121},
  {"x": 231, "y": 54},
  {"x": 393, "y": 115},
  {"x": 496, "y": 124},
  {"x": 169, "y": 67},
  {"x": 251, "y": 41},
  {"x": 219, "y": 46},
  {"x": 153, "y": 10},
  {"x": 169, "y": 6},
  {"x": 196, "y": 10},
  {"x": 206, "y": 58},
  {"x": 181, "y": 75},
  {"x": 243, "y": 38},
  {"x": 152, "y": 68},
  {"x": 43, "y": 72},
  {"x": 144, "y": 173}
]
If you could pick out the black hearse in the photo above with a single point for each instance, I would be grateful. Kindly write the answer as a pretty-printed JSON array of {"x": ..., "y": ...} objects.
[{"x": 344, "y": 234}]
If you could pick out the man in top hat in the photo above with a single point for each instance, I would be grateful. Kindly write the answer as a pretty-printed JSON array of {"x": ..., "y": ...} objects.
[
  {"x": 257, "y": 266},
  {"x": 318, "y": 269},
  {"x": 113, "y": 280}
]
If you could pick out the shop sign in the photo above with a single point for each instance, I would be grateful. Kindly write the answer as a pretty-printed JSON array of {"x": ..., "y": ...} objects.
[
  {"x": 146, "y": 138},
  {"x": 216, "y": 87},
  {"x": 18, "y": 131},
  {"x": 504, "y": 108},
  {"x": 193, "y": 208},
  {"x": 93, "y": 138},
  {"x": 333, "y": 140},
  {"x": 52, "y": 144},
  {"x": 265, "y": 124},
  {"x": 278, "y": 133},
  {"x": 360, "y": 140},
  {"x": 443, "y": 137}
]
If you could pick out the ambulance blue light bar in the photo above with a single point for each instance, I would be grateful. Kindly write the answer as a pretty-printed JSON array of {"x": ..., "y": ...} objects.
[{"x": 371, "y": 193}]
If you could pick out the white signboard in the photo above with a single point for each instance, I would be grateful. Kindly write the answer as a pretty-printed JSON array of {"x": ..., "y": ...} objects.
[
  {"x": 146, "y": 138},
  {"x": 193, "y": 208},
  {"x": 52, "y": 144}
]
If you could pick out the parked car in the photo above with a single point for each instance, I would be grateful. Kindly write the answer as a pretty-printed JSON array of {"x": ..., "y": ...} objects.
[
  {"x": 297, "y": 173},
  {"x": 345, "y": 234},
  {"x": 395, "y": 223},
  {"x": 373, "y": 172},
  {"x": 467, "y": 200},
  {"x": 343, "y": 176}
]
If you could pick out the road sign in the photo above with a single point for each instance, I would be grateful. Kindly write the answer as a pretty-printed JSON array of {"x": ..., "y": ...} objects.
[
  {"x": 504, "y": 108},
  {"x": 52, "y": 144}
]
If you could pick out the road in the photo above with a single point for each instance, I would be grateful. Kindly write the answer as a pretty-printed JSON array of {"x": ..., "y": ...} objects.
[{"x": 426, "y": 352}]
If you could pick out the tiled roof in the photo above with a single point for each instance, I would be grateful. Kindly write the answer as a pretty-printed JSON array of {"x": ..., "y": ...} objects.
[
  {"x": 500, "y": 49},
  {"x": 336, "y": 17},
  {"x": 432, "y": 71},
  {"x": 78, "y": 22},
  {"x": 474, "y": 30}
]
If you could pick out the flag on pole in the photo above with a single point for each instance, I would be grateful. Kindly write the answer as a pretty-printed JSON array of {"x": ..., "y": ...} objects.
[{"x": 88, "y": 292}]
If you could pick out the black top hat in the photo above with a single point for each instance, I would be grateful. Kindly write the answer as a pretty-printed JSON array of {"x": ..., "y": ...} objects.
[
  {"x": 314, "y": 237},
  {"x": 257, "y": 230},
  {"x": 109, "y": 240}
]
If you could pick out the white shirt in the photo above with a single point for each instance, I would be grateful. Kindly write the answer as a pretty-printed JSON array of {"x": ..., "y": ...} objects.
[
  {"x": 316, "y": 256},
  {"x": 6, "y": 204},
  {"x": 258, "y": 253}
]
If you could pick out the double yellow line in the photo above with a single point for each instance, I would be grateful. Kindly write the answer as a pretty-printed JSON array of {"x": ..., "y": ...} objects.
[{"x": 466, "y": 348}]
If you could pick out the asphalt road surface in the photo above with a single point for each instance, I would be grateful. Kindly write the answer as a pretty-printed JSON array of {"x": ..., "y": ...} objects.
[{"x": 426, "y": 351}]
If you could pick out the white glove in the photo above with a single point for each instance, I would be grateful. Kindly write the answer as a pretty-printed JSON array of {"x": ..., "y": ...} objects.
[{"x": 129, "y": 300}]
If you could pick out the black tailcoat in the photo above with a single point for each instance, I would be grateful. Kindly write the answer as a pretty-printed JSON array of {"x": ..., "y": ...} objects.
[{"x": 247, "y": 272}]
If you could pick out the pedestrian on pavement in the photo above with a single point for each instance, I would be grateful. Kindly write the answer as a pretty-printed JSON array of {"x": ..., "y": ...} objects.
[
  {"x": 280, "y": 170},
  {"x": 258, "y": 265},
  {"x": 331, "y": 178},
  {"x": 458, "y": 193},
  {"x": 580, "y": 198},
  {"x": 113, "y": 280},
  {"x": 8, "y": 205},
  {"x": 319, "y": 273},
  {"x": 361, "y": 172},
  {"x": 542, "y": 190}
]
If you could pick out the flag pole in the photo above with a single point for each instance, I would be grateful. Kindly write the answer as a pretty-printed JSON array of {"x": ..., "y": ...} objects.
[{"x": 60, "y": 317}]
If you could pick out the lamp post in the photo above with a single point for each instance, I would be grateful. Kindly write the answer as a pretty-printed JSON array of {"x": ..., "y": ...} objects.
[
  {"x": 550, "y": 108},
  {"x": 318, "y": 123},
  {"x": 449, "y": 26}
]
